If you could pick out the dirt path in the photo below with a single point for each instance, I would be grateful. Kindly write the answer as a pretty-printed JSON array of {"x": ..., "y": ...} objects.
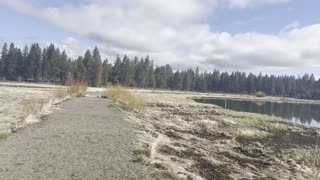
[{"x": 86, "y": 139}]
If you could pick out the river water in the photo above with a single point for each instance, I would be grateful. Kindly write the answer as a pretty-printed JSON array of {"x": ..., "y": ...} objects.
[{"x": 305, "y": 114}]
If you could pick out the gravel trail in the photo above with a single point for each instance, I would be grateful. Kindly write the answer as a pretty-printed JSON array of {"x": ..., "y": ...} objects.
[{"x": 85, "y": 139}]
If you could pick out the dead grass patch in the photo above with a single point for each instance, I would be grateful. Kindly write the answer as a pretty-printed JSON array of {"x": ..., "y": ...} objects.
[
  {"x": 78, "y": 89},
  {"x": 31, "y": 107},
  {"x": 142, "y": 155},
  {"x": 310, "y": 157},
  {"x": 122, "y": 95},
  {"x": 60, "y": 93}
]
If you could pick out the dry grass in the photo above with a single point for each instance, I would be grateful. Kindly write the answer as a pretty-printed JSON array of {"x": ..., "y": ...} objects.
[
  {"x": 78, "y": 89},
  {"x": 142, "y": 155},
  {"x": 31, "y": 107},
  {"x": 122, "y": 95},
  {"x": 60, "y": 93},
  {"x": 310, "y": 157},
  {"x": 3, "y": 136}
]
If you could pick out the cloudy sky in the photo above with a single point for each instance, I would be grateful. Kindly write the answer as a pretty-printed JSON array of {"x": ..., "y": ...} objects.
[{"x": 268, "y": 36}]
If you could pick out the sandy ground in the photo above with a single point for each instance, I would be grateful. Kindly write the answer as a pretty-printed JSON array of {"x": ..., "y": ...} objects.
[
  {"x": 19, "y": 100},
  {"x": 85, "y": 139}
]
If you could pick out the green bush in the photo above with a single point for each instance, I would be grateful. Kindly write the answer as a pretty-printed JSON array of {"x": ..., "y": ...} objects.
[{"x": 260, "y": 94}]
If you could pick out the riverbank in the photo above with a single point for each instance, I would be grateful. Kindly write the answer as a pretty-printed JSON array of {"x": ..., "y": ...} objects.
[
  {"x": 241, "y": 97},
  {"x": 185, "y": 139},
  {"x": 227, "y": 96}
]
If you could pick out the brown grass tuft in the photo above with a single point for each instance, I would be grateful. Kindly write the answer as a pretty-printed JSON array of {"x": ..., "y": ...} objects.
[
  {"x": 124, "y": 96},
  {"x": 78, "y": 89},
  {"x": 31, "y": 107},
  {"x": 60, "y": 93}
]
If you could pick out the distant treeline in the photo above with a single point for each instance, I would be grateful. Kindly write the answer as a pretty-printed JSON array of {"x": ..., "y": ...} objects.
[{"x": 51, "y": 65}]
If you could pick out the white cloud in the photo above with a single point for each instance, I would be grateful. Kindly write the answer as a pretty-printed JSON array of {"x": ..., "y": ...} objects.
[
  {"x": 250, "y": 3},
  {"x": 71, "y": 45},
  {"x": 170, "y": 33},
  {"x": 2, "y": 40},
  {"x": 291, "y": 26}
]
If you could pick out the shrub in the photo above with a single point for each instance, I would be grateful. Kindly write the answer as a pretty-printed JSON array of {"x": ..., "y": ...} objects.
[
  {"x": 124, "y": 96},
  {"x": 260, "y": 94}
]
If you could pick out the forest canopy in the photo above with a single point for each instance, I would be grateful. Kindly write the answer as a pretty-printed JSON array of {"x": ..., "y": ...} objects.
[{"x": 50, "y": 64}]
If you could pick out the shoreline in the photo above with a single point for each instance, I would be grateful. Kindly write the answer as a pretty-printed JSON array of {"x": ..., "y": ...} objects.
[
  {"x": 203, "y": 141},
  {"x": 227, "y": 96},
  {"x": 257, "y": 99}
]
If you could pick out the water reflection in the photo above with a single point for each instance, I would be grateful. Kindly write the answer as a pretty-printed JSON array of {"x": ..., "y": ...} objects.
[{"x": 307, "y": 114}]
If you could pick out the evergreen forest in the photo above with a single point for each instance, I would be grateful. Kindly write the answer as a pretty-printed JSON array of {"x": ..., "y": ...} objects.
[{"x": 51, "y": 65}]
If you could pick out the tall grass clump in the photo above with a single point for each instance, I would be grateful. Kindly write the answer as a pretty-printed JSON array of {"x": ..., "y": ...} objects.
[
  {"x": 31, "y": 107},
  {"x": 60, "y": 93},
  {"x": 124, "y": 96},
  {"x": 78, "y": 88}
]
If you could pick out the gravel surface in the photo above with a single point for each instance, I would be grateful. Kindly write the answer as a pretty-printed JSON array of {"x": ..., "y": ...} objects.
[{"x": 85, "y": 139}]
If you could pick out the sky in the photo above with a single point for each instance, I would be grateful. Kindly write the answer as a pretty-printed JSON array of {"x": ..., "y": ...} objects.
[{"x": 281, "y": 37}]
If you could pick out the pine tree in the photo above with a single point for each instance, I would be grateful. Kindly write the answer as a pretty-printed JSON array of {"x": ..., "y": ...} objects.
[
  {"x": 38, "y": 63},
  {"x": 4, "y": 58},
  {"x": 44, "y": 67},
  {"x": 225, "y": 82},
  {"x": 63, "y": 67},
  {"x": 20, "y": 65},
  {"x": 251, "y": 80},
  {"x": 33, "y": 62},
  {"x": 273, "y": 85},
  {"x": 259, "y": 83},
  {"x": 11, "y": 63},
  {"x": 161, "y": 77},
  {"x": 53, "y": 55},
  {"x": 124, "y": 78},
  {"x": 106, "y": 70},
  {"x": 177, "y": 81},
  {"x": 140, "y": 75},
  {"x": 146, "y": 69},
  {"x": 97, "y": 67},
  {"x": 187, "y": 80},
  {"x": 132, "y": 70},
  {"x": 116, "y": 71},
  {"x": 80, "y": 70},
  {"x": 25, "y": 55},
  {"x": 216, "y": 80},
  {"x": 152, "y": 80},
  {"x": 168, "y": 75},
  {"x": 90, "y": 68}
]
